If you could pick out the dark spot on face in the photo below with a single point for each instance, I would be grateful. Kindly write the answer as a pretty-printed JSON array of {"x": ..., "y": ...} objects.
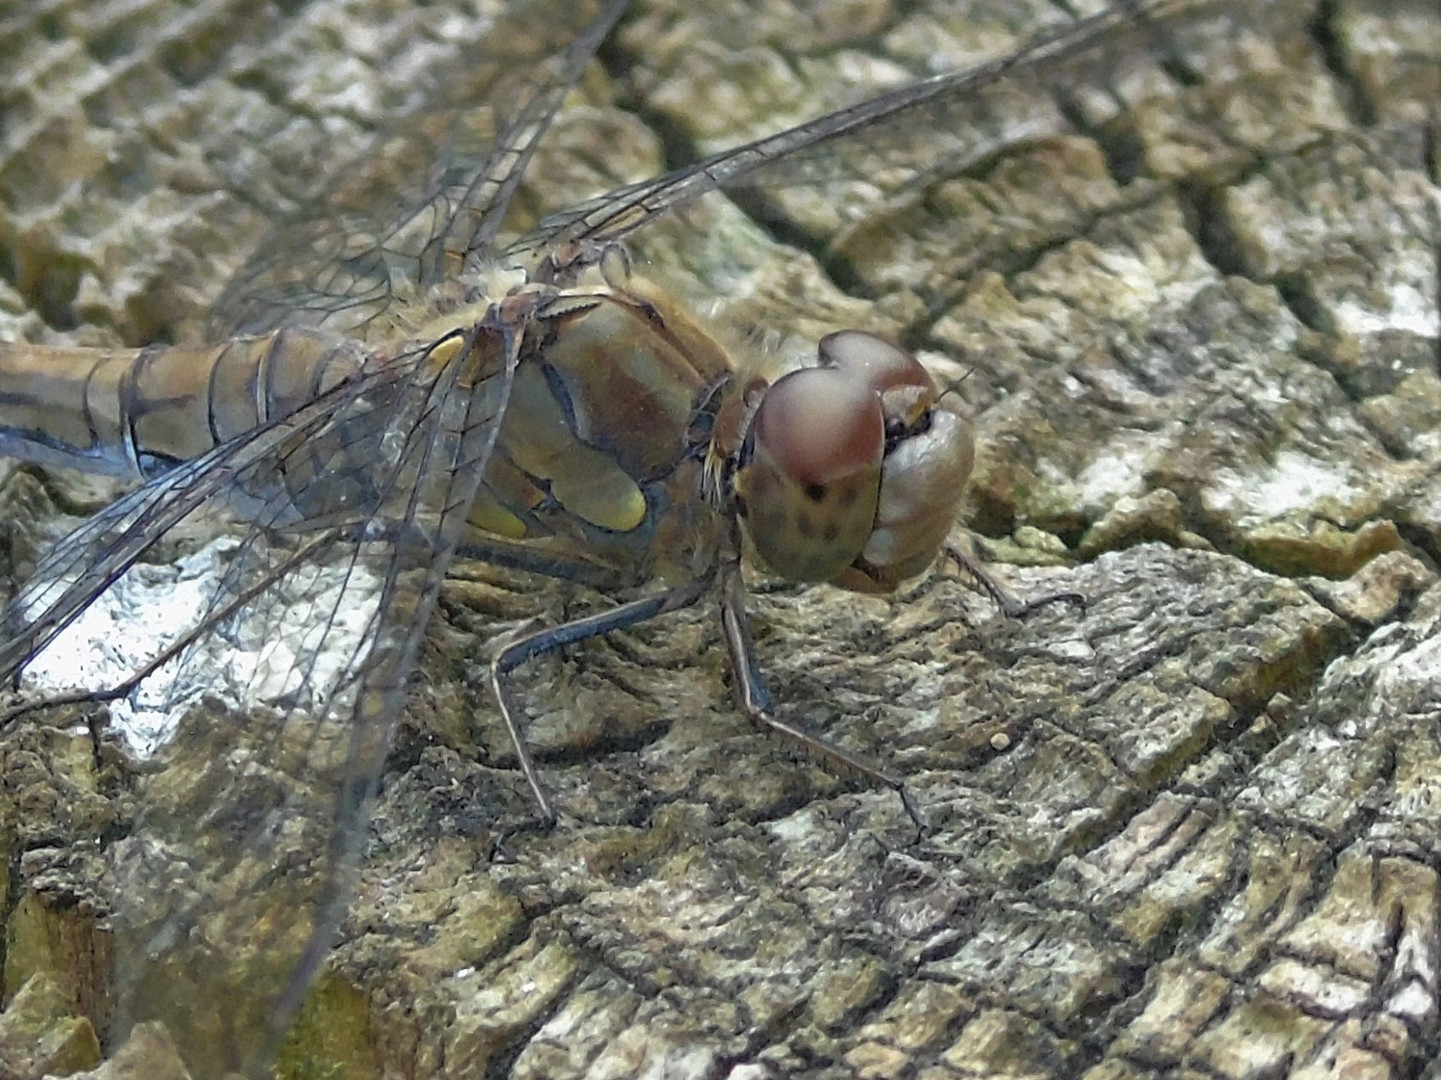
[
  {"x": 846, "y": 498},
  {"x": 805, "y": 526},
  {"x": 815, "y": 492},
  {"x": 831, "y": 533}
]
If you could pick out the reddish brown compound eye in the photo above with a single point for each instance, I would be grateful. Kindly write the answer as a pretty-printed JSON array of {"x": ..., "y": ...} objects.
[
  {"x": 819, "y": 425},
  {"x": 809, "y": 489},
  {"x": 904, "y": 385},
  {"x": 873, "y": 359},
  {"x": 928, "y": 461}
]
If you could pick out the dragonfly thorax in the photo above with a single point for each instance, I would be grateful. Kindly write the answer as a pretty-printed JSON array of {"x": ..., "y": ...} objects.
[{"x": 852, "y": 471}]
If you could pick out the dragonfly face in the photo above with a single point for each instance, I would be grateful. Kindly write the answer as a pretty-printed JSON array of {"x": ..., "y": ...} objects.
[{"x": 852, "y": 471}]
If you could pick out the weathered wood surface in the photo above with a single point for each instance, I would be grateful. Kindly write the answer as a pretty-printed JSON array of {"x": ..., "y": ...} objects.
[{"x": 1190, "y": 830}]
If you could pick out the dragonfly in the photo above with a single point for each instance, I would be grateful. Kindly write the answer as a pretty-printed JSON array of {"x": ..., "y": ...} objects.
[{"x": 395, "y": 384}]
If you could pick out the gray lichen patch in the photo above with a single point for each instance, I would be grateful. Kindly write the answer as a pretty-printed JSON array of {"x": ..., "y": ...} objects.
[{"x": 41, "y": 1035}]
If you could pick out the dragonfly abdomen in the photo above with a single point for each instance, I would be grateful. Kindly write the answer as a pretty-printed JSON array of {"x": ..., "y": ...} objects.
[{"x": 138, "y": 413}]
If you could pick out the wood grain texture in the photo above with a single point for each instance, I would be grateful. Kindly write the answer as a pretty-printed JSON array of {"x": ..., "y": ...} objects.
[{"x": 1187, "y": 830}]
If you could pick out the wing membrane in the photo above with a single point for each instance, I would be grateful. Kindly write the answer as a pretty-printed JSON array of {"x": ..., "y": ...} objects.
[
  {"x": 232, "y": 886},
  {"x": 430, "y": 195},
  {"x": 952, "y": 121}
]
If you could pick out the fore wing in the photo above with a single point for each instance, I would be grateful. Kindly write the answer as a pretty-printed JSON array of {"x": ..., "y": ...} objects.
[
  {"x": 952, "y": 121},
  {"x": 232, "y": 887},
  {"x": 430, "y": 195}
]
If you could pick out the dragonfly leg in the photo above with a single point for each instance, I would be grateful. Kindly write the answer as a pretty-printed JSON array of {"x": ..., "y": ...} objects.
[
  {"x": 554, "y": 637},
  {"x": 516, "y": 555},
  {"x": 1003, "y": 598},
  {"x": 758, "y": 704}
]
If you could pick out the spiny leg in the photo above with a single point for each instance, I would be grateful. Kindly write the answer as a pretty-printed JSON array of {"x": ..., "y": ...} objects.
[
  {"x": 1001, "y": 596},
  {"x": 516, "y": 555},
  {"x": 756, "y": 700},
  {"x": 554, "y": 637}
]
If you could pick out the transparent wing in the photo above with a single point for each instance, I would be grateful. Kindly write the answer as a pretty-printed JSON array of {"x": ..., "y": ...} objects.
[
  {"x": 231, "y": 885},
  {"x": 430, "y": 194},
  {"x": 951, "y": 121}
]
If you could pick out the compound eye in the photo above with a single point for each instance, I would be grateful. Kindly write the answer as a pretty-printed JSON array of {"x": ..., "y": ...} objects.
[
  {"x": 819, "y": 425},
  {"x": 810, "y": 486},
  {"x": 904, "y": 385}
]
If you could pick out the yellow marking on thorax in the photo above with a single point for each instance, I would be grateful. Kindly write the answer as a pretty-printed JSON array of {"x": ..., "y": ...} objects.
[{"x": 601, "y": 410}]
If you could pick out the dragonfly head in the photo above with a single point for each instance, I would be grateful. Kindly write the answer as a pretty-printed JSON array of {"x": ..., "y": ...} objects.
[{"x": 852, "y": 471}]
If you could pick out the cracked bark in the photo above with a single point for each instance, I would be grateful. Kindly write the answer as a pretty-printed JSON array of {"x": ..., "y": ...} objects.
[{"x": 1187, "y": 830}]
